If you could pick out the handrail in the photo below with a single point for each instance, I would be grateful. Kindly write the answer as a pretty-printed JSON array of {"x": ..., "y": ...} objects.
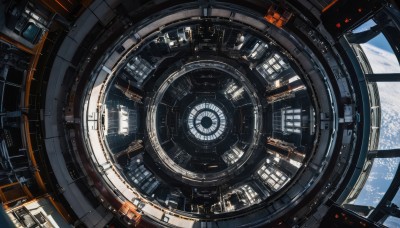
[
  {"x": 29, "y": 77},
  {"x": 17, "y": 44}
]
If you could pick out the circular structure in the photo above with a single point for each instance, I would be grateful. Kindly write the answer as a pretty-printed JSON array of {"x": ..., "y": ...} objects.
[
  {"x": 209, "y": 120},
  {"x": 206, "y": 121},
  {"x": 197, "y": 91},
  {"x": 224, "y": 113}
]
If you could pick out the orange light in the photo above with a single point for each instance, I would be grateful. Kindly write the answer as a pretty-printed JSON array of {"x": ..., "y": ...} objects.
[
  {"x": 359, "y": 10},
  {"x": 277, "y": 17},
  {"x": 62, "y": 6},
  {"x": 329, "y": 5}
]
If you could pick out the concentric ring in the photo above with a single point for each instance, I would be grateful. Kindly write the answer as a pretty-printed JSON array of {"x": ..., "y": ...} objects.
[
  {"x": 198, "y": 119},
  {"x": 188, "y": 163},
  {"x": 203, "y": 138}
]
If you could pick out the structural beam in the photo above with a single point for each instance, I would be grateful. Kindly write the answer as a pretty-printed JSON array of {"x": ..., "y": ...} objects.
[
  {"x": 384, "y": 153},
  {"x": 126, "y": 89},
  {"x": 359, "y": 209},
  {"x": 392, "y": 210},
  {"x": 394, "y": 77},
  {"x": 380, "y": 211},
  {"x": 389, "y": 17},
  {"x": 286, "y": 88},
  {"x": 134, "y": 146},
  {"x": 364, "y": 37},
  {"x": 285, "y": 151},
  {"x": 17, "y": 44}
]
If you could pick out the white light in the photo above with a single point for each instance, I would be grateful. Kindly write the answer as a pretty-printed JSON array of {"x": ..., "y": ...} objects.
[
  {"x": 277, "y": 83},
  {"x": 271, "y": 61},
  {"x": 292, "y": 79},
  {"x": 276, "y": 67},
  {"x": 214, "y": 113}
]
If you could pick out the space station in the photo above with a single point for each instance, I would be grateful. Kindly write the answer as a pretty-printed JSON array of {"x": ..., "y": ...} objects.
[{"x": 198, "y": 113}]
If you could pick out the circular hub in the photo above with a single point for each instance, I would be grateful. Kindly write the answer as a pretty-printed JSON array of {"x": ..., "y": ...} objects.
[
  {"x": 206, "y": 121},
  {"x": 201, "y": 146}
]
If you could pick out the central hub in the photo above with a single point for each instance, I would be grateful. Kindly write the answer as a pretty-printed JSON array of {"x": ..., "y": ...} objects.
[{"x": 206, "y": 121}]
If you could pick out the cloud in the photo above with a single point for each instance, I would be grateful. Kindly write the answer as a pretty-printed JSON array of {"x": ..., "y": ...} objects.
[{"x": 381, "y": 61}]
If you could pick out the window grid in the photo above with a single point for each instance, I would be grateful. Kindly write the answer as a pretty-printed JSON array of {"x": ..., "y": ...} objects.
[
  {"x": 272, "y": 66},
  {"x": 272, "y": 176}
]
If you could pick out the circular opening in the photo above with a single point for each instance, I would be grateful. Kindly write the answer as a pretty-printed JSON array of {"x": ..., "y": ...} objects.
[{"x": 206, "y": 121}]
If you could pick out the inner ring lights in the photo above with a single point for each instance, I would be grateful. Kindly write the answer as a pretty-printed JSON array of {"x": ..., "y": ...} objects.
[
  {"x": 158, "y": 151},
  {"x": 206, "y": 121}
]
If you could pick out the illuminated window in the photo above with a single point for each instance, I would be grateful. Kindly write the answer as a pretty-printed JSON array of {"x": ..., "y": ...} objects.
[
  {"x": 258, "y": 50},
  {"x": 272, "y": 66},
  {"x": 232, "y": 156},
  {"x": 138, "y": 68},
  {"x": 272, "y": 176},
  {"x": 233, "y": 91},
  {"x": 287, "y": 121},
  {"x": 142, "y": 177}
]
